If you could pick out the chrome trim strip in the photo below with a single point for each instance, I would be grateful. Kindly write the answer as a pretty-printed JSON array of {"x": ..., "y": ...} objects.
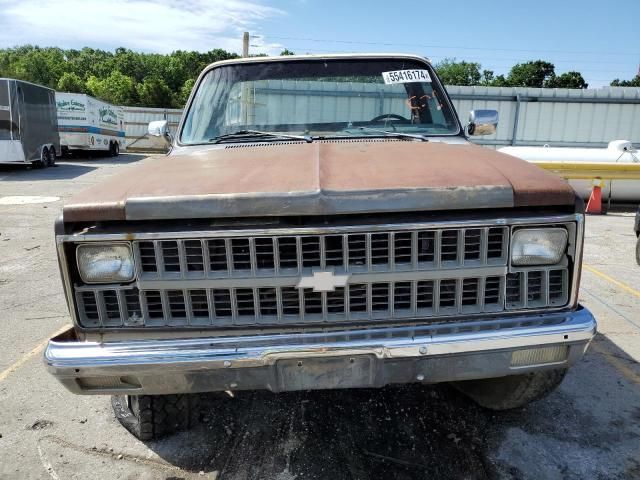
[
  {"x": 75, "y": 359},
  {"x": 192, "y": 234},
  {"x": 577, "y": 259}
]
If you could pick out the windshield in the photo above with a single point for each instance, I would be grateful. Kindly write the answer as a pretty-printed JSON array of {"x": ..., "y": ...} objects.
[{"x": 320, "y": 98}]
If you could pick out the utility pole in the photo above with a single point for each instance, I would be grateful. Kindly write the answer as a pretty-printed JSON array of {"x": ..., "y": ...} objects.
[{"x": 245, "y": 44}]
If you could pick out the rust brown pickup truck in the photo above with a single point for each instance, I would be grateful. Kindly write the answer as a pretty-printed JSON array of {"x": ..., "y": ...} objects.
[{"x": 320, "y": 222}]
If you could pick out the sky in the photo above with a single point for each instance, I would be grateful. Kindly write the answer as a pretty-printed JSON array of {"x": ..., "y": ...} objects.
[{"x": 599, "y": 39}]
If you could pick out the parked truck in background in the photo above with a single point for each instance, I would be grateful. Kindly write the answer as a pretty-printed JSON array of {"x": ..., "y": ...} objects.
[
  {"x": 88, "y": 124},
  {"x": 28, "y": 127}
]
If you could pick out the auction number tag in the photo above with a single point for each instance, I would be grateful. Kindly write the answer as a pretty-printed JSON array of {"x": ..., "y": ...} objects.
[{"x": 406, "y": 76}]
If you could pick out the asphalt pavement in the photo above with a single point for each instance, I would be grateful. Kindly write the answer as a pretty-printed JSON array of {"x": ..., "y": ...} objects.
[{"x": 587, "y": 429}]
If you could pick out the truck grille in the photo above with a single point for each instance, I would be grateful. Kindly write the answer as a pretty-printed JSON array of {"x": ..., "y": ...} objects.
[
  {"x": 290, "y": 255},
  {"x": 392, "y": 275}
]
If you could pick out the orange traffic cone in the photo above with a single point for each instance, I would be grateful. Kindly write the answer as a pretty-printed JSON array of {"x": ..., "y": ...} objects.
[{"x": 594, "y": 205}]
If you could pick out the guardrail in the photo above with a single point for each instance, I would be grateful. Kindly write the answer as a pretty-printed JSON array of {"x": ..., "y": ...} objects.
[{"x": 593, "y": 170}]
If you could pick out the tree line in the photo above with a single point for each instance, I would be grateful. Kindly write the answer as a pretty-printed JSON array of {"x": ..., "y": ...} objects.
[
  {"x": 537, "y": 73},
  {"x": 122, "y": 77},
  {"x": 125, "y": 77}
]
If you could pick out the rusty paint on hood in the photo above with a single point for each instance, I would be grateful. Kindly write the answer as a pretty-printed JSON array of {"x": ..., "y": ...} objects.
[{"x": 319, "y": 178}]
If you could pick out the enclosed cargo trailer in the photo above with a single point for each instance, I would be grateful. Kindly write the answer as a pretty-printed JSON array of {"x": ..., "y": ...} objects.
[
  {"x": 28, "y": 125},
  {"x": 88, "y": 124}
]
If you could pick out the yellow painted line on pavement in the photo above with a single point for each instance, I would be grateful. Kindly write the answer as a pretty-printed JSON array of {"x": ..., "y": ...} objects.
[
  {"x": 28, "y": 356},
  {"x": 618, "y": 364},
  {"x": 617, "y": 283}
]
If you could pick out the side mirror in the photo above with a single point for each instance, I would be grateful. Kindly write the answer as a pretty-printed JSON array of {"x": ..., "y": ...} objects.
[
  {"x": 482, "y": 122},
  {"x": 159, "y": 128}
]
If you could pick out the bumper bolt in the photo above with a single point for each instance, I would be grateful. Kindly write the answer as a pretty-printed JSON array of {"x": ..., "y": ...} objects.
[{"x": 423, "y": 350}]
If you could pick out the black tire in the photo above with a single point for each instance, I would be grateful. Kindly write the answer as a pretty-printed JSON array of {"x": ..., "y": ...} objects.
[
  {"x": 116, "y": 149},
  {"x": 45, "y": 159},
  {"x": 112, "y": 149},
  {"x": 149, "y": 417},
  {"x": 514, "y": 391},
  {"x": 52, "y": 157},
  {"x": 638, "y": 251}
]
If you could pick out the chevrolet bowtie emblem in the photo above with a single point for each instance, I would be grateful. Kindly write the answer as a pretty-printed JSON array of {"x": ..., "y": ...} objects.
[{"x": 323, "y": 281}]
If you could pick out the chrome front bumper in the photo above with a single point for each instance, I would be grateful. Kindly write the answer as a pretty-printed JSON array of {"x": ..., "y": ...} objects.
[{"x": 336, "y": 359}]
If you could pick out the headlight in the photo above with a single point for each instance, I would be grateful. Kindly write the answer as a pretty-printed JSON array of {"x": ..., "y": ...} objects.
[
  {"x": 105, "y": 263},
  {"x": 538, "y": 246}
]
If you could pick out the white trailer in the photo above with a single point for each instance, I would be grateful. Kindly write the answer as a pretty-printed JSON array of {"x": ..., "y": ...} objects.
[
  {"x": 88, "y": 124},
  {"x": 618, "y": 151}
]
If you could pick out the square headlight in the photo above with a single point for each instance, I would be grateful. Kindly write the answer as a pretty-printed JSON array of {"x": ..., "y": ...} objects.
[
  {"x": 538, "y": 246},
  {"x": 105, "y": 263}
]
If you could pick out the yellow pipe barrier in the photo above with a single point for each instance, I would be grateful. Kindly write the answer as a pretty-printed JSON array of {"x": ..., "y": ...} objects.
[{"x": 593, "y": 170}]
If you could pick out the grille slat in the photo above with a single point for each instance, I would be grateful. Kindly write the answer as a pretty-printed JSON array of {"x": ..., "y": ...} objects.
[
  {"x": 170, "y": 256},
  {"x": 287, "y": 252},
  {"x": 472, "y": 244},
  {"x": 147, "y": 257},
  {"x": 199, "y": 305},
  {"x": 217, "y": 255},
  {"x": 194, "y": 256},
  {"x": 496, "y": 243}
]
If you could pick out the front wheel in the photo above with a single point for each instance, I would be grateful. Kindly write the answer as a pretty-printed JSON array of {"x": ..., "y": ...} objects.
[
  {"x": 45, "y": 159},
  {"x": 149, "y": 417},
  {"x": 52, "y": 157},
  {"x": 514, "y": 391}
]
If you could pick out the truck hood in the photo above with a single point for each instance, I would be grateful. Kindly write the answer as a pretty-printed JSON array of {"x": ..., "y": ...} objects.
[{"x": 320, "y": 178}]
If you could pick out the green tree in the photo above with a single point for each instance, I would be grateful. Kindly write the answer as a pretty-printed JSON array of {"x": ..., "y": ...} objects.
[
  {"x": 634, "y": 82},
  {"x": 116, "y": 88},
  {"x": 185, "y": 91},
  {"x": 38, "y": 65},
  {"x": 286, "y": 52},
  {"x": 458, "y": 73},
  {"x": 70, "y": 82},
  {"x": 530, "y": 74},
  {"x": 566, "y": 80},
  {"x": 487, "y": 77},
  {"x": 130, "y": 63},
  {"x": 499, "y": 81},
  {"x": 88, "y": 62},
  {"x": 154, "y": 92}
]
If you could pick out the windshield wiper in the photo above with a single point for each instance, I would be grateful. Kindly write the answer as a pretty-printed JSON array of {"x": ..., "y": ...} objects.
[
  {"x": 396, "y": 134},
  {"x": 257, "y": 133}
]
